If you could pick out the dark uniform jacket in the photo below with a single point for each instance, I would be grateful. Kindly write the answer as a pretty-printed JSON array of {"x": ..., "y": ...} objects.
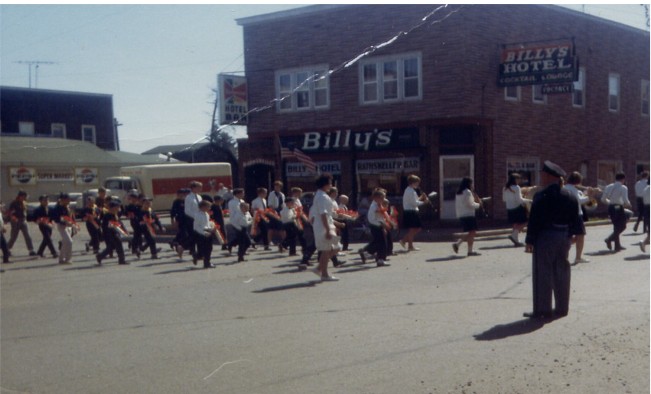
[{"x": 553, "y": 209}]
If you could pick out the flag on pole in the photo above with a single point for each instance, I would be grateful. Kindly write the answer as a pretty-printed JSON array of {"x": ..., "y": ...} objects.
[{"x": 305, "y": 159}]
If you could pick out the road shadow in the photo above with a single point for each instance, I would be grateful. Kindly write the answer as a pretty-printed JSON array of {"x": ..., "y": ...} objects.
[
  {"x": 449, "y": 258},
  {"x": 637, "y": 258},
  {"x": 499, "y": 247},
  {"x": 520, "y": 327},
  {"x": 8, "y": 267},
  {"x": 180, "y": 270},
  {"x": 303, "y": 285},
  {"x": 600, "y": 253},
  {"x": 356, "y": 268}
]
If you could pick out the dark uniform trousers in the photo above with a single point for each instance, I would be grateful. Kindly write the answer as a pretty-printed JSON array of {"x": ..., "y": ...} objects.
[
  {"x": 46, "y": 231},
  {"x": 551, "y": 272},
  {"x": 378, "y": 245},
  {"x": 618, "y": 217}
]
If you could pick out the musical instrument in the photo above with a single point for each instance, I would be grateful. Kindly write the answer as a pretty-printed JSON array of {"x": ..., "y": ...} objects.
[{"x": 481, "y": 212}]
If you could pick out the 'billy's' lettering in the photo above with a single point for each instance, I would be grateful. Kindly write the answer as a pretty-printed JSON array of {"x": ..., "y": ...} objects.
[{"x": 313, "y": 140}]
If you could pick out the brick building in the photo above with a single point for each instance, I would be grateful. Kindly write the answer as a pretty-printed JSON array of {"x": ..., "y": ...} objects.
[
  {"x": 430, "y": 102},
  {"x": 59, "y": 114}
]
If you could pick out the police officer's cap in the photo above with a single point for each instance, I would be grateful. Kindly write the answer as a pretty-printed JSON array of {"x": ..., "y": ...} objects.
[
  {"x": 554, "y": 169},
  {"x": 113, "y": 204}
]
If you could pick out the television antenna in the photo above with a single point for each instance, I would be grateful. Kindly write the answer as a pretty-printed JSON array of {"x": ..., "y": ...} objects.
[{"x": 36, "y": 64}]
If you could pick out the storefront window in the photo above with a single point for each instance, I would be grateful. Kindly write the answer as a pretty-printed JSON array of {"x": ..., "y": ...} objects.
[{"x": 527, "y": 167}]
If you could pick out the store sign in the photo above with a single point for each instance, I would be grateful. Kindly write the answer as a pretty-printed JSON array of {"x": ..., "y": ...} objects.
[
  {"x": 297, "y": 169},
  {"x": 61, "y": 175},
  {"x": 558, "y": 88},
  {"x": 86, "y": 176},
  {"x": 538, "y": 64},
  {"x": 388, "y": 166},
  {"x": 233, "y": 99},
  {"x": 19, "y": 176},
  {"x": 349, "y": 140}
]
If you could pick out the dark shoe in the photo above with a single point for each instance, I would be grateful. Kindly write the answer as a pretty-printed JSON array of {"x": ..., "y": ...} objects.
[
  {"x": 455, "y": 247},
  {"x": 362, "y": 256},
  {"x": 635, "y": 227},
  {"x": 302, "y": 267},
  {"x": 210, "y": 266},
  {"x": 338, "y": 263},
  {"x": 619, "y": 248},
  {"x": 99, "y": 260},
  {"x": 609, "y": 244},
  {"x": 87, "y": 248},
  {"x": 41, "y": 255},
  {"x": 32, "y": 253},
  {"x": 474, "y": 254},
  {"x": 194, "y": 259},
  {"x": 240, "y": 259},
  {"x": 154, "y": 257},
  {"x": 532, "y": 315},
  {"x": 54, "y": 255}
]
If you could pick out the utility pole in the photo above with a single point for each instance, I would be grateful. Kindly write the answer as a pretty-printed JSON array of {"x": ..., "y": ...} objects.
[{"x": 36, "y": 64}]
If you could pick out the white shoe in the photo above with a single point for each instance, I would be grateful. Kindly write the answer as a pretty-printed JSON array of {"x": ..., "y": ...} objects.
[
  {"x": 329, "y": 279},
  {"x": 581, "y": 260}
]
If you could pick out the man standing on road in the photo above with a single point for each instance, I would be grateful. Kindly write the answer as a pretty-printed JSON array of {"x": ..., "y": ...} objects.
[
  {"x": 553, "y": 221},
  {"x": 18, "y": 217}
]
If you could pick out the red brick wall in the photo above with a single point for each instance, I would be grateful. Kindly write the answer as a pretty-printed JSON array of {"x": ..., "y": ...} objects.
[{"x": 460, "y": 58}]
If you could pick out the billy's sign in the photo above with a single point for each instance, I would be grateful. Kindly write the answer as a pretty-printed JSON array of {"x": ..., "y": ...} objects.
[
  {"x": 538, "y": 65},
  {"x": 349, "y": 140}
]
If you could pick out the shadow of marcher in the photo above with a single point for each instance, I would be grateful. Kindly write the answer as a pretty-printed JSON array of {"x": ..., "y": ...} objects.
[
  {"x": 520, "y": 327},
  {"x": 449, "y": 258},
  {"x": 288, "y": 287}
]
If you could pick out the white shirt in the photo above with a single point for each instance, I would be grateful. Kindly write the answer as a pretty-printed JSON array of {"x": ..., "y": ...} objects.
[
  {"x": 202, "y": 223},
  {"x": 578, "y": 194},
  {"x": 234, "y": 205},
  {"x": 465, "y": 204},
  {"x": 640, "y": 186},
  {"x": 645, "y": 195},
  {"x": 513, "y": 197},
  {"x": 258, "y": 203},
  {"x": 615, "y": 194},
  {"x": 374, "y": 216},
  {"x": 287, "y": 215},
  {"x": 273, "y": 201},
  {"x": 241, "y": 220},
  {"x": 410, "y": 201},
  {"x": 322, "y": 204},
  {"x": 192, "y": 201}
]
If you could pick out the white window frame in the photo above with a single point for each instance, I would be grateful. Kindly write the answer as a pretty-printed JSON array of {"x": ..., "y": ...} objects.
[
  {"x": 83, "y": 133},
  {"x": 644, "y": 97},
  {"x": 26, "y": 128},
  {"x": 55, "y": 125},
  {"x": 579, "y": 89},
  {"x": 518, "y": 92},
  {"x": 614, "y": 91},
  {"x": 315, "y": 78},
  {"x": 534, "y": 99},
  {"x": 379, "y": 64}
]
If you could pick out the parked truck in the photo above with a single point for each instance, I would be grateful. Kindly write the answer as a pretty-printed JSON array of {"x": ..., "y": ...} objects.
[{"x": 161, "y": 181}]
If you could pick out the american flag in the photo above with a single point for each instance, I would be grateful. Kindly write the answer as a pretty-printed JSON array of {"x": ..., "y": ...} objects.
[{"x": 305, "y": 159}]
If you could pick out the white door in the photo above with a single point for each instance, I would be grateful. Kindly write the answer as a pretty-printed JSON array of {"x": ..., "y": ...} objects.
[{"x": 453, "y": 169}]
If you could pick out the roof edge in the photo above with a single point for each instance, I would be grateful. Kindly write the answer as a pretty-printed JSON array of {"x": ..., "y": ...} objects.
[
  {"x": 37, "y": 90},
  {"x": 301, "y": 11}
]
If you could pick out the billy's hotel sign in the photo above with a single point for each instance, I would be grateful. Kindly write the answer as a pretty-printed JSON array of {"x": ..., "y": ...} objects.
[{"x": 552, "y": 65}]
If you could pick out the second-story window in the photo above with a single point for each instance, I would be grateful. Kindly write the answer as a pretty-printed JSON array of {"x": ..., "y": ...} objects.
[
  {"x": 302, "y": 89},
  {"x": 88, "y": 134},
  {"x": 537, "y": 94},
  {"x": 613, "y": 92},
  {"x": 390, "y": 79}
]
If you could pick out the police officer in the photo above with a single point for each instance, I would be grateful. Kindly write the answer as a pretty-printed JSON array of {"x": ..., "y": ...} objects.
[{"x": 553, "y": 221}]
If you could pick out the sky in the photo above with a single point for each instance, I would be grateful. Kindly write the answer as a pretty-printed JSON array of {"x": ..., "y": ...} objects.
[{"x": 159, "y": 62}]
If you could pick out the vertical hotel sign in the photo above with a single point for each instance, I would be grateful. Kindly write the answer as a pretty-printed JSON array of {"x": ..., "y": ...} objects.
[
  {"x": 233, "y": 100},
  {"x": 552, "y": 64}
]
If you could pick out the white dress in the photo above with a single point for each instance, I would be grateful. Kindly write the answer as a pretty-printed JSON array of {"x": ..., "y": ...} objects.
[{"x": 323, "y": 204}]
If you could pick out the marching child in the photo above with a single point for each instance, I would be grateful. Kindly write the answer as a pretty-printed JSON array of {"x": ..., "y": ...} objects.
[
  {"x": 42, "y": 217},
  {"x": 233, "y": 209},
  {"x": 149, "y": 224},
  {"x": 241, "y": 221},
  {"x": 64, "y": 219},
  {"x": 92, "y": 217},
  {"x": 288, "y": 217},
  {"x": 132, "y": 211},
  {"x": 345, "y": 231},
  {"x": 204, "y": 230},
  {"x": 113, "y": 231},
  {"x": 217, "y": 216},
  {"x": 378, "y": 226}
]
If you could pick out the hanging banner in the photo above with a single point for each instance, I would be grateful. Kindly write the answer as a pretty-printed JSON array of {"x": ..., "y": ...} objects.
[
  {"x": 538, "y": 64},
  {"x": 86, "y": 176},
  {"x": 388, "y": 166},
  {"x": 19, "y": 176},
  {"x": 233, "y": 99}
]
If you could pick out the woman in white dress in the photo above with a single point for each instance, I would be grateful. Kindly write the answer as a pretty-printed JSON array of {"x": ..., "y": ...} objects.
[
  {"x": 515, "y": 207},
  {"x": 410, "y": 219},
  {"x": 325, "y": 233}
]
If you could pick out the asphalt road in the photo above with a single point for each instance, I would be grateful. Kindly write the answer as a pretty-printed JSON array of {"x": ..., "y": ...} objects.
[{"x": 432, "y": 322}]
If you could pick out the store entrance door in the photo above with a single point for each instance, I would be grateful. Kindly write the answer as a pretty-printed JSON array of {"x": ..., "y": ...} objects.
[{"x": 453, "y": 168}]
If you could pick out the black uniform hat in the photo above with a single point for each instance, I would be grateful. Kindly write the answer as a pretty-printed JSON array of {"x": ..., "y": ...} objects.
[
  {"x": 113, "y": 204},
  {"x": 554, "y": 169}
]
